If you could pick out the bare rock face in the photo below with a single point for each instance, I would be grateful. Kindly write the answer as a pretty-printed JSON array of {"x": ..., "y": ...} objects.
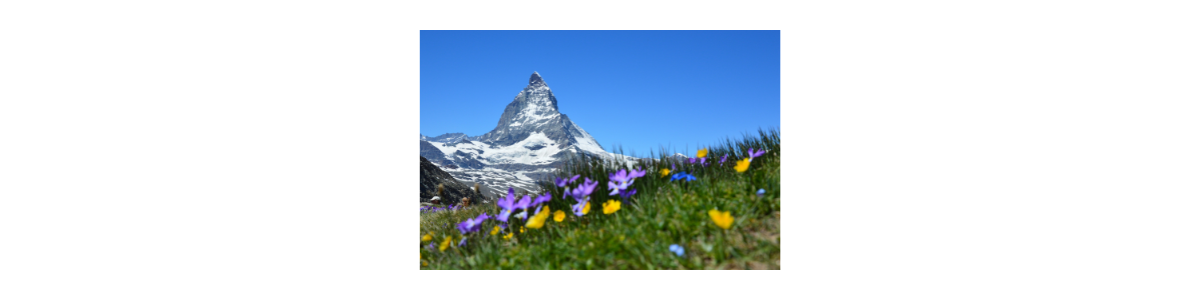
[
  {"x": 453, "y": 191},
  {"x": 535, "y": 110}
]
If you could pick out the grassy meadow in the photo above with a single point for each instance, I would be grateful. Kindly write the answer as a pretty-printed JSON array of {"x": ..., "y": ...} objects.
[{"x": 640, "y": 234}]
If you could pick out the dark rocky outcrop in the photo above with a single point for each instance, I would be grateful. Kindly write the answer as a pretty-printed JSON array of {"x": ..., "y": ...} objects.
[
  {"x": 453, "y": 191},
  {"x": 428, "y": 151}
]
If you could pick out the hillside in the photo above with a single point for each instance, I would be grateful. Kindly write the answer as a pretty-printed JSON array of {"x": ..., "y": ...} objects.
[
  {"x": 453, "y": 190},
  {"x": 723, "y": 213}
]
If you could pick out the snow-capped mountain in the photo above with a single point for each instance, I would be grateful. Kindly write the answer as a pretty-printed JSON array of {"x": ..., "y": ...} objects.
[
  {"x": 531, "y": 139},
  {"x": 449, "y": 137}
]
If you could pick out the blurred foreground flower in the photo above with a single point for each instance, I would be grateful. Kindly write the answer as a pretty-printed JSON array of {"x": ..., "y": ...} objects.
[
  {"x": 722, "y": 219},
  {"x": 581, "y": 208},
  {"x": 426, "y": 238},
  {"x": 472, "y": 225},
  {"x": 582, "y": 192},
  {"x": 538, "y": 219},
  {"x": 628, "y": 193},
  {"x": 542, "y": 199},
  {"x": 742, "y": 165},
  {"x": 611, "y": 206},
  {"x": 702, "y": 153},
  {"x": 506, "y": 205},
  {"x": 562, "y": 182},
  {"x": 682, "y": 176},
  {"x": 664, "y": 173},
  {"x": 621, "y": 180},
  {"x": 756, "y": 154},
  {"x": 677, "y": 249},
  {"x": 559, "y": 216},
  {"x": 445, "y": 244},
  {"x": 524, "y": 203}
]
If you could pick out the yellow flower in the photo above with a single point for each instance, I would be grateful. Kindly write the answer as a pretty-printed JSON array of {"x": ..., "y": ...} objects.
[
  {"x": 722, "y": 219},
  {"x": 702, "y": 153},
  {"x": 522, "y": 229},
  {"x": 664, "y": 173},
  {"x": 426, "y": 238},
  {"x": 586, "y": 208},
  {"x": 508, "y": 236},
  {"x": 559, "y": 216},
  {"x": 536, "y": 221},
  {"x": 611, "y": 206},
  {"x": 495, "y": 230},
  {"x": 445, "y": 244},
  {"x": 742, "y": 165}
]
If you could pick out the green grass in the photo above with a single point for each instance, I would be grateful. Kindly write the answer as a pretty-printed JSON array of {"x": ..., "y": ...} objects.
[{"x": 639, "y": 234}]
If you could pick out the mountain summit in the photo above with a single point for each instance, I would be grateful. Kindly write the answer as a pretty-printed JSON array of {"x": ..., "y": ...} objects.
[
  {"x": 536, "y": 79},
  {"x": 535, "y": 110},
  {"x": 530, "y": 140}
]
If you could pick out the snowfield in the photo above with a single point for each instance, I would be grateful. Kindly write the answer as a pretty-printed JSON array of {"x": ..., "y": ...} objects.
[{"x": 519, "y": 153}]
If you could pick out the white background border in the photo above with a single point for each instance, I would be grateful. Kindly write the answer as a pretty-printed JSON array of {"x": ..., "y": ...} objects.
[{"x": 935, "y": 149}]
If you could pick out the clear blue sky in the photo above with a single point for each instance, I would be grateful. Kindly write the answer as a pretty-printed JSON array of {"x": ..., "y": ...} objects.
[{"x": 637, "y": 89}]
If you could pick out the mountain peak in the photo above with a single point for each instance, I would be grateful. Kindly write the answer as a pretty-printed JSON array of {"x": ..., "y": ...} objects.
[{"x": 536, "y": 79}]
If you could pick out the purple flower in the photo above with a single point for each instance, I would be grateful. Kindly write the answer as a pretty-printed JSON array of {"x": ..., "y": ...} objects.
[
  {"x": 622, "y": 180},
  {"x": 507, "y": 202},
  {"x": 562, "y": 182},
  {"x": 756, "y": 154},
  {"x": 430, "y": 246},
  {"x": 524, "y": 203},
  {"x": 542, "y": 199},
  {"x": 628, "y": 193},
  {"x": 723, "y": 157},
  {"x": 582, "y": 192},
  {"x": 472, "y": 225},
  {"x": 637, "y": 173},
  {"x": 702, "y": 161},
  {"x": 578, "y": 208},
  {"x": 761, "y": 192},
  {"x": 506, "y": 206},
  {"x": 463, "y": 242},
  {"x": 691, "y": 160}
]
